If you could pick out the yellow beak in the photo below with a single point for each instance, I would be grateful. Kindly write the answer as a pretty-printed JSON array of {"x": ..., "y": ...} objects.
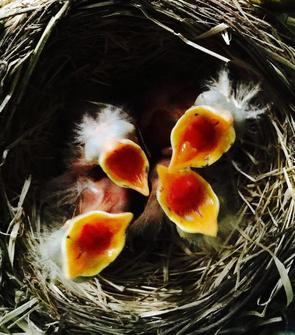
[
  {"x": 200, "y": 137},
  {"x": 92, "y": 241},
  {"x": 188, "y": 200},
  {"x": 126, "y": 164}
]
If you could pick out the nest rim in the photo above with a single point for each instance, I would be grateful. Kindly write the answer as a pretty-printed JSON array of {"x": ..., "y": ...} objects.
[{"x": 118, "y": 315}]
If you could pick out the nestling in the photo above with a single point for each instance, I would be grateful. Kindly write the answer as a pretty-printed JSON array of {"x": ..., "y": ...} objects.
[{"x": 109, "y": 139}]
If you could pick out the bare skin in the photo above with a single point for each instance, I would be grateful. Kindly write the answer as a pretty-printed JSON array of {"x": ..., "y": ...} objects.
[{"x": 102, "y": 195}]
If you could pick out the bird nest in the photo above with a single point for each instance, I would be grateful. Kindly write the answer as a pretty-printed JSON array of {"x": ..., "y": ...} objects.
[{"x": 55, "y": 54}]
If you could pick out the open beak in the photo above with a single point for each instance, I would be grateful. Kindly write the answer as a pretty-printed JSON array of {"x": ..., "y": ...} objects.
[
  {"x": 92, "y": 241},
  {"x": 200, "y": 137},
  {"x": 126, "y": 165},
  {"x": 188, "y": 200}
]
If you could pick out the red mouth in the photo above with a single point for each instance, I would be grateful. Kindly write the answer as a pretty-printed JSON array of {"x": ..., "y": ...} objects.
[
  {"x": 188, "y": 200},
  {"x": 127, "y": 166},
  {"x": 185, "y": 193},
  {"x": 126, "y": 163},
  {"x": 202, "y": 133},
  {"x": 94, "y": 239},
  {"x": 200, "y": 138}
]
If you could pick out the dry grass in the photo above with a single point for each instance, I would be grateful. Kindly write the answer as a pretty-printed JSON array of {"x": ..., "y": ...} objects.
[{"x": 54, "y": 51}]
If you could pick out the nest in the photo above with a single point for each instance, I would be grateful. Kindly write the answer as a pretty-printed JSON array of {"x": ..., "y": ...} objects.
[{"x": 54, "y": 54}]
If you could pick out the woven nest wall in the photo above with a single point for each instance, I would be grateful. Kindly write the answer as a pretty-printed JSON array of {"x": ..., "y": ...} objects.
[{"x": 55, "y": 54}]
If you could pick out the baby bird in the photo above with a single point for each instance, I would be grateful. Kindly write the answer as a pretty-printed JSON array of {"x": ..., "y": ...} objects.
[
  {"x": 208, "y": 129},
  {"x": 108, "y": 139},
  {"x": 87, "y": 238},
  {"x": 188, "y": 200},
  {"x": 91, "y": 241}
]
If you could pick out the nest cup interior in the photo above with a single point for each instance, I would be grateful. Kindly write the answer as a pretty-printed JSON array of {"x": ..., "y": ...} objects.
[{"x": 164, "y": 284}]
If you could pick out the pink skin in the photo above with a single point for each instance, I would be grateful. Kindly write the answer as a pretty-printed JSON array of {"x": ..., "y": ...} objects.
[
  {"x": 95, "y": 190},
  {"x": 102, "y": 195}
]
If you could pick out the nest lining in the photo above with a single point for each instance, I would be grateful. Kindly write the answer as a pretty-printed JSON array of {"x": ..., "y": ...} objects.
[{"x": 111, "y": 52}]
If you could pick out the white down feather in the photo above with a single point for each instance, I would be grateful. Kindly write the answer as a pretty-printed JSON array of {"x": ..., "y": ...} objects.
[
  {"x": 98, "y": 133},
  {"x": 222, "y": 96}
]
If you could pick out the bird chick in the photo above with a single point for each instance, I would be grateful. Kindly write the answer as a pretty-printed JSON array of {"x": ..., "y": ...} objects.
[
  {"x": 222, "y": 178},
  {"x": 208, "y": 129},
  {"x": 200, "y": 137},
  {"x": 109, "y": 139},
  {"x": 95, "y": 235},
  {"x": 92, "y": 241},
  {"x": 188, "y": 200}
]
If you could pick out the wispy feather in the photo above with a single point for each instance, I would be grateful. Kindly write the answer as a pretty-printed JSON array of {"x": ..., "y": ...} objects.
[
  {"x": 94, "y": 133},
  {"x": 222, "y": 96}
]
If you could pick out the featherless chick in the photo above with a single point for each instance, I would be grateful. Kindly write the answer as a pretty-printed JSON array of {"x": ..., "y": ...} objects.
[
  {"x": 91, "y": 232},
  {"x": 209, "y": 128},
  {"x": 109, "y": 139}
]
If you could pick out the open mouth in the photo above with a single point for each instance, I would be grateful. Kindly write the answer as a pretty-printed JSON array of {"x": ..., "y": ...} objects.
[
  {"x": 93, "y": 240},
  {"x": 126, "y": 165},
  {"x": 188, "y": 200},
  {"x": 200, "y": 137}
]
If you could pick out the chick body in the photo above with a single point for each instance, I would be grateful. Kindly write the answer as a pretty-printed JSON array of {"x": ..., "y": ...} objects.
[{"x": 109, "y": 139}]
